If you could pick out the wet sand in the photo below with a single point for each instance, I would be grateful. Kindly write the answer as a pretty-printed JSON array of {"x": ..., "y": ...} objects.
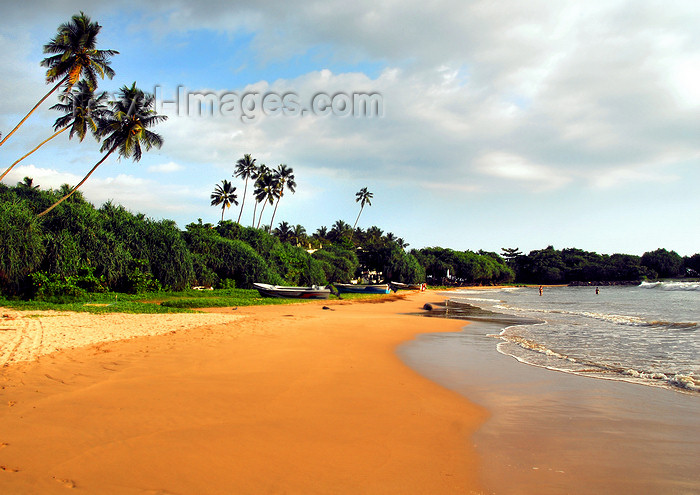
[
  {"x": 282, "y": 399},
  {"x": 552, "y": 432}
]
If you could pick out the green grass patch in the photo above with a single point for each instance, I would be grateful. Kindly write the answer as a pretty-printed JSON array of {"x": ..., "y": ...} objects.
[
  {"x": 151, "y": 302},
  {"x": 95, "y": 306}
]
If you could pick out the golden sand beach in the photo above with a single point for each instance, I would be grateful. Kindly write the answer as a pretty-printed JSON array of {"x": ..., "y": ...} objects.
[{"x": 278, "y": 399}]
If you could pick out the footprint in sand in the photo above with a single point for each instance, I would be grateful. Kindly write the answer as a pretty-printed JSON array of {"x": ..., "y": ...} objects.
[
  {"x": 65, "y": 482},
  {"x": 9, "y": 469}
]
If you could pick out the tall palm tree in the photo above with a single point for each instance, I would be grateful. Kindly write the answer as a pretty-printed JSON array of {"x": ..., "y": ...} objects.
[
  {"x": 82, "y": 110},
  {"x": 266, "y": 192},
  {"x": 74, "y": 56},
  {"x": 285, "y": 178},
  {"x": 363, "y": 196},
  {"x": 260, "y": 172},
  {"x": 245, "y": 169},
  {"x": 125, "y": 128},
  {"x": 224, "y": 195}
]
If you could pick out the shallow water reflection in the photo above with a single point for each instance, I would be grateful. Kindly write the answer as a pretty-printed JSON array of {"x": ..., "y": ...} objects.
[{"x": 552, "y": 432}]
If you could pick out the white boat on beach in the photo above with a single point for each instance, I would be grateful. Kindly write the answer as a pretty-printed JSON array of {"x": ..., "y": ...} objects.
[
  {"x": 362, "y": 288},
  {"x": 313, "y": 292}
]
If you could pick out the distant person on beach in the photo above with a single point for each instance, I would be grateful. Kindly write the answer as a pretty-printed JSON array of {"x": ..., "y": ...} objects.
[
  {"x": 596, "y": 290},
  {"x": 540, "y": 290}
]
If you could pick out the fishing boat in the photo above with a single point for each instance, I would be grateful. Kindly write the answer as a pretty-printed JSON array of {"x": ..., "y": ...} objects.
[
  {"x": 362, "y": 288},
  {"x": 313, "y": 292},
  {"x": 399, "y": 286}
]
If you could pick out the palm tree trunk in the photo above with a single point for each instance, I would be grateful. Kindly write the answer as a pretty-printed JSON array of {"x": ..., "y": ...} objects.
[
  {"x": 262, "y": 210},
  {"x": 245, "y": 190},
  {"x": 223, "y": 209},
  {"x": 272, "y": 220},
  {"x": 79, "y": 184},
  {"x": 25, "y": 156},
  {"x": 358, "y": 218},
  {"x": 32, "y": 110},
  {"x": 254, "y": 210}
]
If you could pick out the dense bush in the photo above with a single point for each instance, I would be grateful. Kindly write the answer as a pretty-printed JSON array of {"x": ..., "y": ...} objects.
[
  {"x": 338, "y": 264},
  {"x": 403, "y": 267},
  {"x": 463, "y": 266},
  {"x": 128, "y": 252},
  {"x": 664, "y": 263},
  {"x": 576, "y": 265},
  {"x": 218, "y": 258},
  {"x": 22, "y": 245},
  {"x": 53, "y": 286},
  {"x": 296, "y": 266}
]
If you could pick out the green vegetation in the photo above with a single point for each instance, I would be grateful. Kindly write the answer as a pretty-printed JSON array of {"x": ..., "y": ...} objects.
[
  {"x": 79, "y": 250},
  {"x": 444, "y": 266},
  {"x": 554, "y": 266},
  {"x": 82, "y": 255}
]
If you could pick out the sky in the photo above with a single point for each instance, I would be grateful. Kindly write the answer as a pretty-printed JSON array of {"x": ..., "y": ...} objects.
[{"x": 492, "y": 124}]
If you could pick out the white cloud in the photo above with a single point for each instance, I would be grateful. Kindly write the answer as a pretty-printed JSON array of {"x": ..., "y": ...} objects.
[
  {"x": 136, "y": 194},
  {"x": 624, "y": 176},
  {"x": 516, "y": 168},
  {"x": 46, "y": 178}
]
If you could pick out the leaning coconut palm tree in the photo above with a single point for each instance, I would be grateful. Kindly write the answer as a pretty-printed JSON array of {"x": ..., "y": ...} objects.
[
  {"x": 245, "y": 169},
  {"x": 266, "y": 190},
  {"x": 74, "y": 56},
  {"x": 224, "y": 195},
  {"x": 125, "y": 128},
  {"x": 82, "y": 110},
  {"x": 363, "y": 196},
  {"x": 285, "y": 178},
  {"x": 258, "y": 176}
]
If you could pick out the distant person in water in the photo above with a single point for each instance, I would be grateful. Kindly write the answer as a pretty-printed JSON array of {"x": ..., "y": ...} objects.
[{"x": 540, "y": 290}]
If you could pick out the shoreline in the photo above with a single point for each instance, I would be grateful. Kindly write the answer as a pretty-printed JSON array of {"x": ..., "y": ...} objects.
[
  {"x": 293, "y": 398},
  {"x": 593, "y": 435}
]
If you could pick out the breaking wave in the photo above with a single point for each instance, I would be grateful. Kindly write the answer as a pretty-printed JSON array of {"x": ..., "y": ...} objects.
[{"x": 671, "y": 285}]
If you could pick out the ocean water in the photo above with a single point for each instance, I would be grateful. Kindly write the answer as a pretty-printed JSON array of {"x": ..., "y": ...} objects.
[
  {"x": 647, "y": 334},
  {"x": 635, "y": 431}
]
